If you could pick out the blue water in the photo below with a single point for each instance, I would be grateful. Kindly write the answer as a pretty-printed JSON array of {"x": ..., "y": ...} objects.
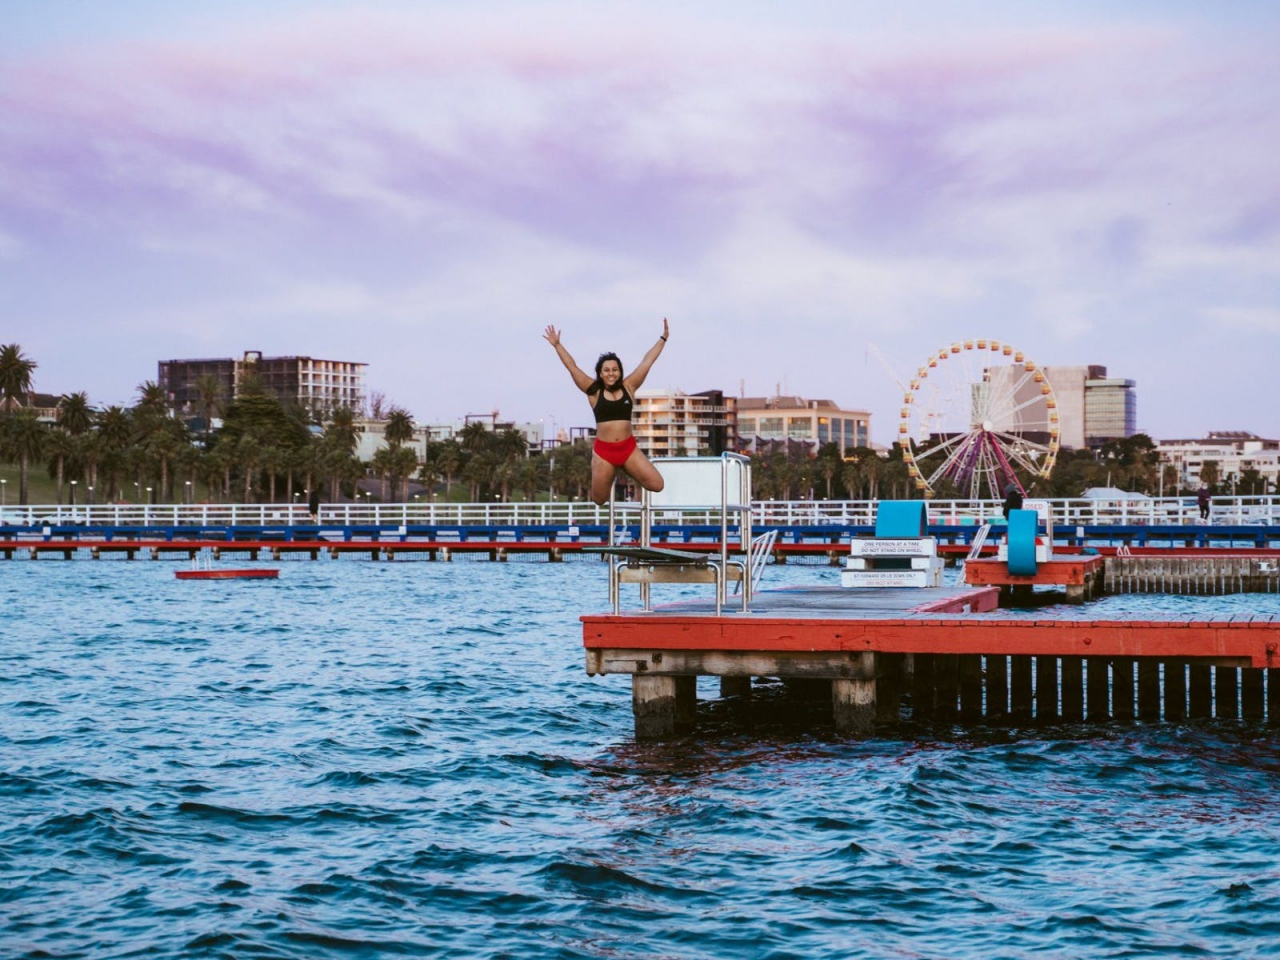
[{"x": 369, "y": 759}]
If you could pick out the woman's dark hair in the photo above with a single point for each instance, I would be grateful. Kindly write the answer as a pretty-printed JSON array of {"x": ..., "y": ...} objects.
[{"x": 599, "y": 382}]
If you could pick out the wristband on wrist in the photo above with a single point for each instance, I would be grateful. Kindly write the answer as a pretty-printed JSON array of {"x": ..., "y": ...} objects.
[{"x": 663, "y": 339}]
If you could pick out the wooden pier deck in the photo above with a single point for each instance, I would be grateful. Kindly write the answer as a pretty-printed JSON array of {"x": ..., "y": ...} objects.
[{"x": 943, "y": 654}]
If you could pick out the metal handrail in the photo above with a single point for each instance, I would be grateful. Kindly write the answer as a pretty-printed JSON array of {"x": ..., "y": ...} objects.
[{"x": 1163, "y": 511}]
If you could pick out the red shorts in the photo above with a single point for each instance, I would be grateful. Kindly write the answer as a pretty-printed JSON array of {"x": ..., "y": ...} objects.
[{"x": 615, "y": 453}]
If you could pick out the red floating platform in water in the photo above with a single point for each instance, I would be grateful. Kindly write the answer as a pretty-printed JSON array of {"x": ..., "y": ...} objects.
[{"x": 268, "y": 574}]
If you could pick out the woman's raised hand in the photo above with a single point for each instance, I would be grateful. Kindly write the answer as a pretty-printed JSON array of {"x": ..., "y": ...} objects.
[
  {"x": 666, "y": 329},
  {"x": 552, "y": 335}
]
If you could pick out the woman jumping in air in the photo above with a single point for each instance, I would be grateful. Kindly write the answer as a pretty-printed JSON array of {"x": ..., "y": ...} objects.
[{"x": 610, "y": 395}]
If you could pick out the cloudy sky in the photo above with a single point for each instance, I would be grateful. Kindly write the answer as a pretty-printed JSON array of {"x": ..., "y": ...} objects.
[{"x": 812, "y": 192}]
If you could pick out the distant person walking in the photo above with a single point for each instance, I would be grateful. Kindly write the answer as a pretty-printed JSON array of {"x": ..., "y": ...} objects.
[
  {"x": 1012, "y": 499},
  {"x": 1202, "y": 501},
  {"x": 611, "y": 397},
  {"x": 313, "y": 505}
]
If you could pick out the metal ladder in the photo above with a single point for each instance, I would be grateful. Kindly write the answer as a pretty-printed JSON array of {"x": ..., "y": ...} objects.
[
  {"x": 979, "y": 540},
  {"x": 761, "y": 547}
]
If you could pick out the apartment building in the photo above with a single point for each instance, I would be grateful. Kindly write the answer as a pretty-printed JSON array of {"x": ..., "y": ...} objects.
[
  {"x": 762, "y": 421},
  {"x": 318, "y": 386},
  {"x": 1234, "y": 451},
  {"x": 671, "y": 423}
]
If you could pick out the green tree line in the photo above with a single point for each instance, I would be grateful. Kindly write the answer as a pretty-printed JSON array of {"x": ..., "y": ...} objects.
[
  {"x": 266, "y": 451},
  {"x": 269, "y": 451}
]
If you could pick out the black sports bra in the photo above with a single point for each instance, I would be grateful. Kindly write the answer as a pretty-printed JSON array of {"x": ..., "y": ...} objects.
[{"x": 620, "y": 409}]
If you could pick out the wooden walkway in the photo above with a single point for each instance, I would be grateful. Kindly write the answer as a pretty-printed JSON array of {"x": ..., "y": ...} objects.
[{"x": 942, "y": 654}]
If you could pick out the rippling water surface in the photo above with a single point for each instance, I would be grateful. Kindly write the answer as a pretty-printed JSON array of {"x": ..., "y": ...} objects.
[{"x": 370, "y": 759}]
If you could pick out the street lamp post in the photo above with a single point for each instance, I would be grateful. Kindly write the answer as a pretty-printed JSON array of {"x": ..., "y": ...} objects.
[
  {"x": 4, "y": 487},
  {"x": 73, "y": 499},
  {"x": 189, "y": 491},
  {"x": 89, "y": 498}
]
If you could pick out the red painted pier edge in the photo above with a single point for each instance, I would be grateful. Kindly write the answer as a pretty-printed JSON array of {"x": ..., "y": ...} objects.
[
  {"x": 947, "y": 662},
  {"x": 1240, "y": 643}
]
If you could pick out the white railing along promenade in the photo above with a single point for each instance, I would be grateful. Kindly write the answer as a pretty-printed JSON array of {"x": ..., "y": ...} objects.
[{"x": 788, "y": 513}]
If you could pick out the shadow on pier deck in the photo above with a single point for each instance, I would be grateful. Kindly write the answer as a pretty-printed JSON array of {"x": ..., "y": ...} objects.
[{"x": 939, "y": 655}]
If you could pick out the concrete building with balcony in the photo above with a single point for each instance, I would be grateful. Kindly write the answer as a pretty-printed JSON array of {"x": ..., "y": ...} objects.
[
  {"x": 318, "y": 386},
  {"x": 1237, "y": 454},
  {"x": 671, "y": 423},
  {"x": 767, "y": 421}
]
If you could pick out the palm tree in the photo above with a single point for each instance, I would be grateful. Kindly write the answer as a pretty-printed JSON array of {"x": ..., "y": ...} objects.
[
  {"x": 404, "y": 461},
  {"x": 74, "y": 413},
  {"x": 59, "y": 447},
  {"x": 87, "y": 456},
  {"x": 25, "y": 438},
  {"x": 114, "y": 429},
  {"x": 429, "y": 475},
  {"x": 399, "y": 429},
  {"x": 342, "y": 430},
  {"x": 151, "y": 397},
  {"x": 187, "y": 463},
  {"x": 449, "y": 462},
  {"x": 479, "y": 471},
  {"x": 210, "y": 395},
  {"x": 15, "y": 377},
  {"x": 248, "y": 451},
  {"x": 381, "y": 464},
  {"x": 512, "y": 445},
  {"x": 273, "y": 458},
  {"x": 217, "y": 470},
  {"x": 474, "y": 437}
]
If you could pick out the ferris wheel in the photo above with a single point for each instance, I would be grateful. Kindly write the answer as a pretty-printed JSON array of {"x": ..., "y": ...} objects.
[{"x": 978, "y": 416}]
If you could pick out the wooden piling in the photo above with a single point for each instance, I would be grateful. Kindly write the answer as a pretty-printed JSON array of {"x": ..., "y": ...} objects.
[
  {"x": 1226, "y": 693},
  {"x": 686, "y": 702},
  {"x": 969, "y": 669},
  {"x": 1020, "y": 688},
  {"x": 735, "y": 686},
  {"x": 1122, "y": 692},
  {"x": 946, "y": 676},
  {"x": 1273, "y": 695},
  {"x": 997, "y": 687},
  {"x": 922, "y": 687},
  {"x": 1072, "y": 689},
  {"x": 1200, "y": 692},
  {"x": 889, "y": 686},
  {"x": 853, "y": 700},
  {"x": 1148, "y": 689},
  {"x": 1047, "y": 689},
  {"x": 1097, "y": 689},
  {"x": 1251, "y": 693},
  {"x": 653, "y": 701},
  {"x": 1175, "y": 690}
]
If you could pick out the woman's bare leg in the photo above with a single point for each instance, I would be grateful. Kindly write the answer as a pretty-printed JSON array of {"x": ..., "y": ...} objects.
[
  {"x": 602, "y": 476},
  {"x": 643, "y": 472}
]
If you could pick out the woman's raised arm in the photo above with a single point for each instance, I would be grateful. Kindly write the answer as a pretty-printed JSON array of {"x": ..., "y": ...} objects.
[
  {"x": 636, "y": 377},
  {"x": 552, "y": 336}
]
